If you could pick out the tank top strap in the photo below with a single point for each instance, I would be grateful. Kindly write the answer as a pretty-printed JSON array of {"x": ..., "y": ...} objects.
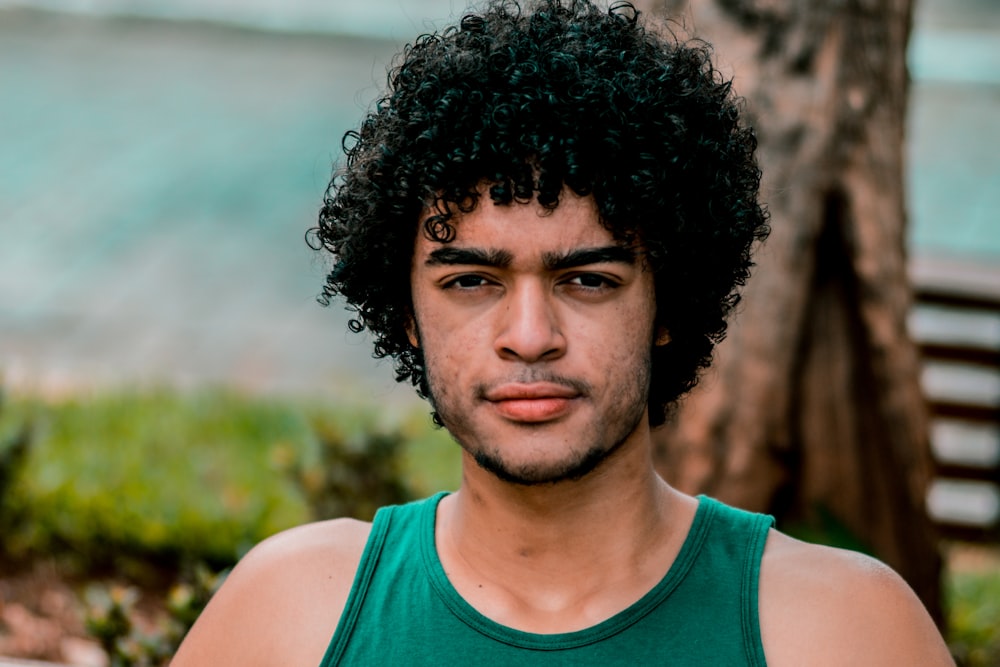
[
  {"x": 739, "y": 537},
  {"x": 372, "y": 555}
]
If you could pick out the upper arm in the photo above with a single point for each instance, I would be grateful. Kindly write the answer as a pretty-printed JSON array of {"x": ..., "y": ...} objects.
[
  {"x": 823, "y": 606},
  {"x": 282, "y": 602}
]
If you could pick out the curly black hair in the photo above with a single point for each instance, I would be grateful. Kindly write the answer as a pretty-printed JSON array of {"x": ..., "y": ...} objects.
[{"x": 531, "y": 100}]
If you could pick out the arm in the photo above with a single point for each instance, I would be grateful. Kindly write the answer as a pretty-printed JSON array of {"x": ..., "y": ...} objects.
[
  {"x": 282, "y": 602},
  {"x": 823, "y": 606}
]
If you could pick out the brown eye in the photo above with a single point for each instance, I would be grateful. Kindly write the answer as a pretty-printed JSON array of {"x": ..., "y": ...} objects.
[
  {"x": 470, "y": 281},
  {"x": 592, "y": 281}
]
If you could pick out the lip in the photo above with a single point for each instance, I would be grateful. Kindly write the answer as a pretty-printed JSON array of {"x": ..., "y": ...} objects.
[
  {"x": 532, "y": 403},
  {"x": 517, "y": 391}
]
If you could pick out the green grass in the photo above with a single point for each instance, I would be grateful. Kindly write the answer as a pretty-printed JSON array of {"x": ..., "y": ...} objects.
[
  {"x": 973, "y": 602},
  {"x": 205, "y": 474}
]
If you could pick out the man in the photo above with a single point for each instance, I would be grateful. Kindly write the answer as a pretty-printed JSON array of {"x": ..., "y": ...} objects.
[{"x": 545, "y": 222}]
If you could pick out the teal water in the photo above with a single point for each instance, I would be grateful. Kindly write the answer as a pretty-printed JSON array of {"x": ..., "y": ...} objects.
[{"x": 157, "y": 177}]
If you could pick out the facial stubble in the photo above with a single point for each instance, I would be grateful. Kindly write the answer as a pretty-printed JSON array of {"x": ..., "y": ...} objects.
[{"x": 608, "y": 430}]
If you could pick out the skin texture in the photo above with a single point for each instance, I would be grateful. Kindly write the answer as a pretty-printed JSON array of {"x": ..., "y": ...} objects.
[
  {"x": 559, "y": 549},
  {"x": 545, "y": 406}
]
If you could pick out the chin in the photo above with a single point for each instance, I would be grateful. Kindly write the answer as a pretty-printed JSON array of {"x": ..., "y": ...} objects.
[{"x": 534, "y": 473}]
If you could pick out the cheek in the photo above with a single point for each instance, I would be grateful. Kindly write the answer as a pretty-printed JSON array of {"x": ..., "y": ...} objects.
[
  {"x": 449, "y": 345},
  {"x": 629, "y": 326},
  {"x": 444, "y": 328}
]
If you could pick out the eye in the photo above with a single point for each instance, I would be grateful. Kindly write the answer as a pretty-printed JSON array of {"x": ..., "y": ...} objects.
[
  {"x": 592, "y": 281},
  {"x": 466, "y": 281}
]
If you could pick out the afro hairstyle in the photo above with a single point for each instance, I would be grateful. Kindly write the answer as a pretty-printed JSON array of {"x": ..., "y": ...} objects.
[{"x": 529, "y": 101}]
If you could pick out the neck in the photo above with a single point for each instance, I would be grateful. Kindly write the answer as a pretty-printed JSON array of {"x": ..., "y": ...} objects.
[
  {"x": 544, "y": 557},
  {"x": 610, "y": 499}
]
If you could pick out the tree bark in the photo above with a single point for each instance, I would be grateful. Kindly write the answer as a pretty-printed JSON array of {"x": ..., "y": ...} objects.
[{"x": 813, "y": 410}]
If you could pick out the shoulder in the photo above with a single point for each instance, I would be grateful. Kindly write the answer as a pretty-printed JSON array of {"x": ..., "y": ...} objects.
[
  {"x": 282, "y": 602},
  {"x": 826, "y": 606}
]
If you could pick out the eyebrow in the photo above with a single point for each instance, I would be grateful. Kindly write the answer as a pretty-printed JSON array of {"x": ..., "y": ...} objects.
[
  {"x": 499, "y": 259},
  {"x": 553, "y": 261},
  {"x": 614, "y": 254}
]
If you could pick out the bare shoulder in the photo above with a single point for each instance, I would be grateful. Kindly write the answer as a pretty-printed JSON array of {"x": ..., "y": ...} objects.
[
  {"x": 282, "y": 602},
  {"x": 825, "y": 606}
]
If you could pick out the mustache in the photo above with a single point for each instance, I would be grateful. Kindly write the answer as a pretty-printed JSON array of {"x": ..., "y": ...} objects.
[{"x": 531, "y": 376}]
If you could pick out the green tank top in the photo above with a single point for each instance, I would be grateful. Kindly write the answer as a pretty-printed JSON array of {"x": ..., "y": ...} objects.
[{"x": 402, "y": 610}]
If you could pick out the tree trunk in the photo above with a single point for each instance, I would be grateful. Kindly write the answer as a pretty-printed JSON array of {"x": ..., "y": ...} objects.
[{"x": 813, "y": 410}]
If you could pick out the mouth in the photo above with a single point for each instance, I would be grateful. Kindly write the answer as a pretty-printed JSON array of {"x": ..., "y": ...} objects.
[{"x": 532, "y": 403}]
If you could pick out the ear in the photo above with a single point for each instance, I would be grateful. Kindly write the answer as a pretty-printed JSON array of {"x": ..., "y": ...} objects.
[
  {"x": 411, "y": 331},
  {"x": 662, "y": 336}
]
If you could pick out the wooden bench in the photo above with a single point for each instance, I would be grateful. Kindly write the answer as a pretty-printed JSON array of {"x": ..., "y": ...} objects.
[{"x": 956, "y": 322}]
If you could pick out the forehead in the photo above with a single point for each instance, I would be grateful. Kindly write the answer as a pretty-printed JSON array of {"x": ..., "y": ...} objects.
[{"x": 525, "y": 229}]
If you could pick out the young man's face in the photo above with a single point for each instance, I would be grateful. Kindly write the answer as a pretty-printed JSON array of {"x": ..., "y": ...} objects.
[{"x": 536, "y": 329}]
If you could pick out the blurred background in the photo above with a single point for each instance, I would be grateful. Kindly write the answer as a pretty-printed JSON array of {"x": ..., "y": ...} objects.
[
  {"x": 162, "y": 161},
  {"x": 158, "y": 177},
  {"x": 160, "y": 164}
]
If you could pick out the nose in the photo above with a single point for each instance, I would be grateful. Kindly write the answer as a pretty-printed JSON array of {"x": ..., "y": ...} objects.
[{"x": 529, "y": 328}]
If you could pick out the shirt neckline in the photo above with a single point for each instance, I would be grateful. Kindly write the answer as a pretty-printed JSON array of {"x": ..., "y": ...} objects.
[{"x": 617, "y": 623}]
